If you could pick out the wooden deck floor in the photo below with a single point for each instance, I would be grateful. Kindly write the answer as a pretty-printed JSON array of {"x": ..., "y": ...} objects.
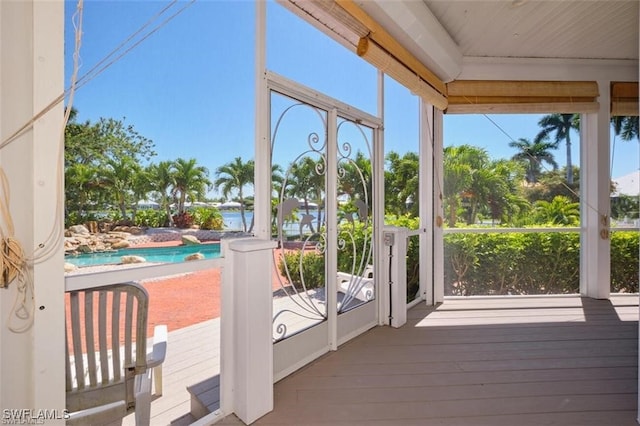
[
  {"x": 479, "y": 361},
  {"x": 193, "y": 355}
]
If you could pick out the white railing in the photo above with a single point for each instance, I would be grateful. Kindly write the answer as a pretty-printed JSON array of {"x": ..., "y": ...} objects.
[
  {"x": 418, "y": 297},
  {"x": 114, "y": 276}
]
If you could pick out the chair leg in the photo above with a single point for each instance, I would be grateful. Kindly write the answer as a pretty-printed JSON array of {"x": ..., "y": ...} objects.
[
  {"x": 143, "y": 399},
  {"x": 157, "y": 380}
]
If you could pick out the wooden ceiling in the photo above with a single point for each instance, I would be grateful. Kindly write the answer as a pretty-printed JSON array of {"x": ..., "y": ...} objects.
[
  {"x": 541, "y": 29},
  {"x": 461, "y": 39}
]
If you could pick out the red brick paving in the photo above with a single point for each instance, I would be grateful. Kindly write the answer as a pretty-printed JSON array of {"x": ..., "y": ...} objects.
[
  {"x": 182, "y": 300},
  {"x": 186, "y": 299}
]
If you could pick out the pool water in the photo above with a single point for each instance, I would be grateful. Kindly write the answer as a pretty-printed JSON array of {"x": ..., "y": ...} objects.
[{"x": 156, "y": 254}]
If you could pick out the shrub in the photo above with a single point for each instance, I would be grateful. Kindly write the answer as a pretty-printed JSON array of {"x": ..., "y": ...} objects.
[
  {"x": 512, "y": 263},
  {"x": 183, "y": 220},
  {"x": 151, "y": 218},
  {"x": 310, "y": 263},
  {"x": 208, "y": 218},
  {"x": 624, "y": 261},
  {"x": 355, "y": 252},
  {"x": 355, "y": 242},
  {"x": 531, "y": 263}
]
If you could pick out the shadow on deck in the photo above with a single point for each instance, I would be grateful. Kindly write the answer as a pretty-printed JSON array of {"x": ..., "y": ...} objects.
[{"x": 562, "y": 360}]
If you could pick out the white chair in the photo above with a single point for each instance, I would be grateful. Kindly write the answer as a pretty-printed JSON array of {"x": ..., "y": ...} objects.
[
  {"x": 108, "y": 368},
  {"x": 360, "y": 288}
]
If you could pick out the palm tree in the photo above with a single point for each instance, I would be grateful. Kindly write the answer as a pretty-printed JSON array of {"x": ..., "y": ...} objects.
[
  {"x": 402, "y": 182},
  {"x": 190, "y": 180},
  {"x": 355, "y": 177},
  {"x": 533, "y": 154},
  {"x": 626, "y": 127},
  {"x": 503, "y": 200},
  {"x": 80, "y": 180},
  {"x": 456, "y": 177},
  {"x": 234, "y": 176},
  {"x": 119, "y": 176},
  {"x": 561, "y": 125},
  {"x": 306, "y": 181},
  {"x": 560, "y": 211},
  {"x": 163, "y": 181}
]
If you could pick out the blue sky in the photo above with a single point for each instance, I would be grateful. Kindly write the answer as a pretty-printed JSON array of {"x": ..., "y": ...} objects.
[{"x": 189, "y": 87}]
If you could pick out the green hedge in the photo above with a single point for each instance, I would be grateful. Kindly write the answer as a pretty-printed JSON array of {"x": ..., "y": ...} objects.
[
  {"x": 352, "y": 238},
  {"x": 312, "y": 264},
  {"x": 624, "y": 261},
  {"x": 519, "y": 263},
  {"x": 514, "y": 263}
]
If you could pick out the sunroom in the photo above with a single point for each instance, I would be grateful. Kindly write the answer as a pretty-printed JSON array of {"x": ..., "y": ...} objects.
[{"x": 366, "y": 349}]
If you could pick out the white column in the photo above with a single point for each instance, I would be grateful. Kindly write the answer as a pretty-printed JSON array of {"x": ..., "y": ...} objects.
[
  {"x": 331, "y": 210},
  {"x": 227, "y": 315},
  {"x": 431, "y": 172},
  {"x": 437, "y": 220},
  {"x": 31, "y": 78},
  {"x": 251, "y": 351},
  {"x": 262, "y": 178},
  {"x": 595, "y": 187},
  {"x": 393, "y": 285},
  {"x": 378, "y": 197},
  {"x": 426, "y": 202}
]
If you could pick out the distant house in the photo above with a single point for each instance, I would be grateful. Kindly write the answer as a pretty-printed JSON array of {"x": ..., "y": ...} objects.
[
  {"x": 628, "y": 184},
  {"x": 148, "y": 205},
  {"x": 229, "y": 205}
]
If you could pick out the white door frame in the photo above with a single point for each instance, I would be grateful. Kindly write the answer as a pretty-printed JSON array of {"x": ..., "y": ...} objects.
[{"x": 298, "y": 350}]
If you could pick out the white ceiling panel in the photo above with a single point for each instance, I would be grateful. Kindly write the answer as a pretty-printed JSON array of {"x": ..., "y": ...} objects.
[{"x": 605, "y": 29}]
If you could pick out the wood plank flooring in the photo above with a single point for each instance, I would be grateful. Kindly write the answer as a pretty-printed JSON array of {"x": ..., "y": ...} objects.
[
  {"x": 193, "y": 355},
  {"x": 551, "y": 360}
]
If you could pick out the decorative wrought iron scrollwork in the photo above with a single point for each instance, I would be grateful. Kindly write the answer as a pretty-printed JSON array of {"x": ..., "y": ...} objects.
[
  {"x": 356, "y": 233},
  {"x": 300, "y": 297},
  {"x": 298, "y": 259}
]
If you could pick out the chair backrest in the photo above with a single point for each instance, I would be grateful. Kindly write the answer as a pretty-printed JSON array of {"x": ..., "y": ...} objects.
[{"x": 106, "y": 344}]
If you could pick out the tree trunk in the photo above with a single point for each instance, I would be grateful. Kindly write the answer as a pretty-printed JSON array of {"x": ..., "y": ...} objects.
[{"x": 569, "y": 163}]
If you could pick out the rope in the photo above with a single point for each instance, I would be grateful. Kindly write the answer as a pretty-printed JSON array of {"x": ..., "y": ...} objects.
[
  {"x": 511, "y": 139},
  {"x": 14, "y": 264}
]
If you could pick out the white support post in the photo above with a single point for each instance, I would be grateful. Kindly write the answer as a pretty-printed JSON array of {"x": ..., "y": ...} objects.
[
  {"x": 262, "y": 178},
  {"x": 431, "y": 241},
  {"x": 247, "y": 377},
  {"x": 227, "y": 304},
  {"x": 595, "y": 184},
  {"x": 31, "y": 79},
  {"x": 438, "y": 220},
  {"x": 393, "y": 284},
  {"x": 378, "y": 198},
  {"x": 426, "y": 203}
]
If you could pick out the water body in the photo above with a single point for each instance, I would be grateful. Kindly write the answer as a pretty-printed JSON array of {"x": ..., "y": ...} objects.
[
  {"x": 233, "y": 222},
  {"x": 157, "y": 254}
]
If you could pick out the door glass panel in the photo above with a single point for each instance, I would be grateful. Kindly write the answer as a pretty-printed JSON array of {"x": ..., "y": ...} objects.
[
  {"x": 298, "y": 146},
  {"x": 355, "y": 284}
]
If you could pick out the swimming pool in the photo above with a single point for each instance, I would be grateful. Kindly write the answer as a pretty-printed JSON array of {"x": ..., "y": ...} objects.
[{"x": 156, "y": 254}]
